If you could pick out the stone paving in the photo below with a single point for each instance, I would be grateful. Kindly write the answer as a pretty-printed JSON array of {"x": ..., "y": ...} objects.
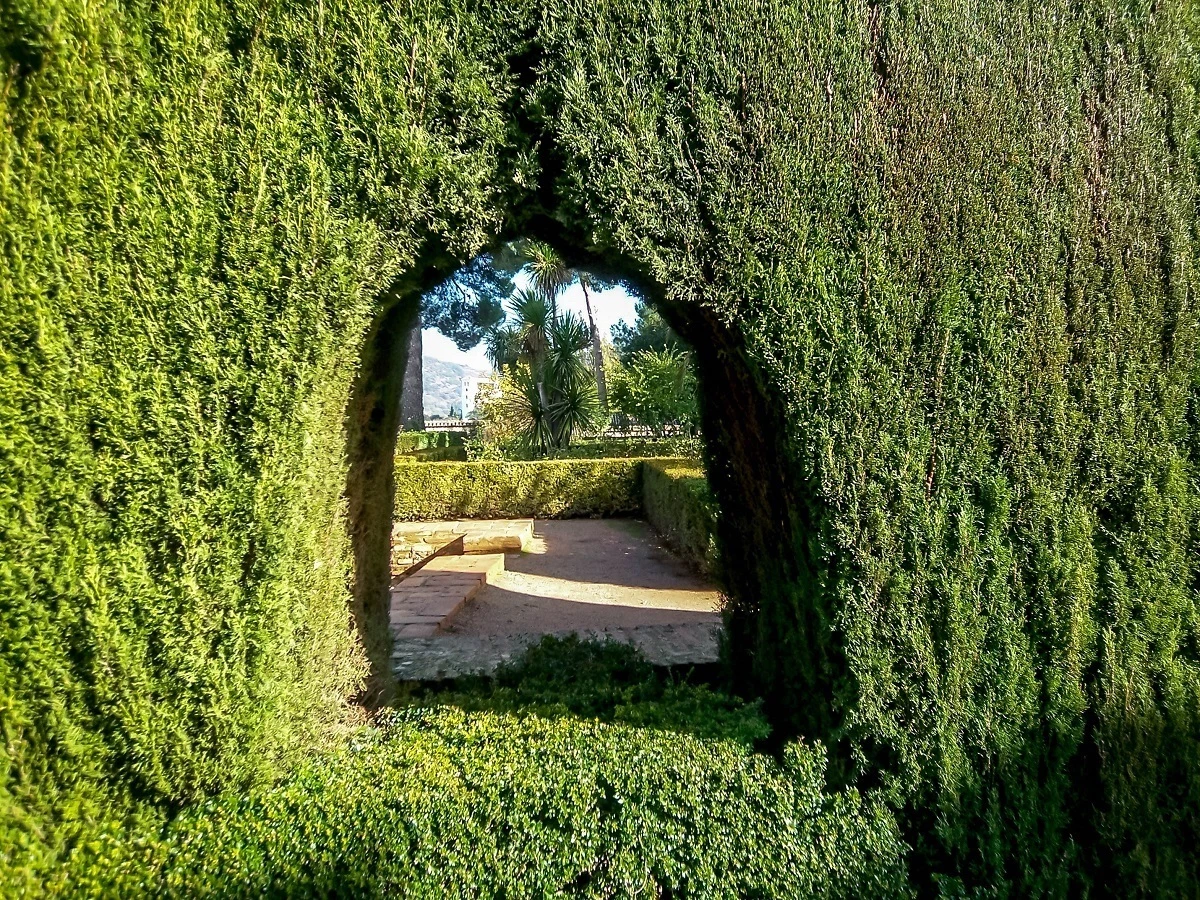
[
  {"x": 413, "y": 539},
  {"x": 455, "y": 655},
  {"x": 598, "y": 579},
  {"x": 423, "y": 603}
]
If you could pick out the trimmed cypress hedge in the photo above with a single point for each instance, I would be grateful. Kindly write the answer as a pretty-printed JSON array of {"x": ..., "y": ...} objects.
[
  {"x": 938, "y": 263},
  {"x": 677, "y": 502}
]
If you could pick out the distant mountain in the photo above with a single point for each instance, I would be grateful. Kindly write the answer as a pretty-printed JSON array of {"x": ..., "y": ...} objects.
[{"x": 443, "y": 385}]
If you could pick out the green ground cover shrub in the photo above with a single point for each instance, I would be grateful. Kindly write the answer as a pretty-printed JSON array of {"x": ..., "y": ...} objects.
[
  {"x": 677, "y": 502},
  {"x": 608, "y": 681},
  {"x": 517, "y": 788}
]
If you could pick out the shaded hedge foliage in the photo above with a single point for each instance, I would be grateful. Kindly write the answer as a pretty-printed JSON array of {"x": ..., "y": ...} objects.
[{"x": 938, "y": 265}]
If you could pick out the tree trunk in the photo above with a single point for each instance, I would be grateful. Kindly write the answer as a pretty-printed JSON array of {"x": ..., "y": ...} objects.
[
  {"x": 597, "y": 353},
  {"x": 412, "y": 389}
]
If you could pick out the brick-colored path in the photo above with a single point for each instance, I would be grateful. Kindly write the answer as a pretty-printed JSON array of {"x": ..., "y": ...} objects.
[
  {"x": 455, "y": 655},
  {"x": 424, "y": 602},
  {"x": 599, "y": 578}
]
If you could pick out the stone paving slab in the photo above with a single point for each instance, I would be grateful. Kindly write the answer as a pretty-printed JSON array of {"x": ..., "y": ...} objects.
[
  {"x": 423, "y": 604},
  {"x": 479, "y": 535},
  {"x": 410, "y": 556},
  {"x": 433, "y": 658}
]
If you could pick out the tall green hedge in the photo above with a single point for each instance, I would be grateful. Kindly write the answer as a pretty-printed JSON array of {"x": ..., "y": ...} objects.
[
  {"x": 201, "y": 206},
  {"x": 938, "y": 263}
]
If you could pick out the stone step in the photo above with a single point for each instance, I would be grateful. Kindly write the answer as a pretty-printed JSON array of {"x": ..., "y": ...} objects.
[
  {"x": 409, "y": 556},
  {"x": 479, "y": 535},
  {"x": 423, "y": 603}
]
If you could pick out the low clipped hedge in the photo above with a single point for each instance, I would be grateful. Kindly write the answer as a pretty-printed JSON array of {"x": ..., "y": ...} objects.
[
  {"x": 677, "y": 502},
  {"x": 671, "y": 493},
  {"x": 409, "y": 442},
  {"x": 597, "y": 448},
  {"x": 439, "y": 802},
  {"x": 549, "y": 489},
  {"x": 434, "y": 454},
  {"x": 430, "y": 446}
]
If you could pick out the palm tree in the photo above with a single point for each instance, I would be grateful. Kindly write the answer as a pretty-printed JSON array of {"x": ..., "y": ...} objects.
[
  {"x": 539, "y": 351},
  {"x": 552, "y": 275}
]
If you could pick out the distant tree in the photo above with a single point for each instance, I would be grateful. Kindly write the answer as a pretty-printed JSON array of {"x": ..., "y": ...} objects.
[
  {"x": 470, "y": 303},
  {"x": 648, "y": 332},
  {"x": 552, "y": 275},
  {"x": 657, "y": 388}
]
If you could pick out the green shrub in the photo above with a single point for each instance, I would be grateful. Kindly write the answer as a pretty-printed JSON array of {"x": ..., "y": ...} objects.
[
  {"x": 609, "y": 681},
  {"x": 435, "y": 454},
  {"x": 550, "y": 489},
  {"x": 677, "y": 502},
  {"x": 515, "y": 795},
  {"x": 443, "y": 803}
]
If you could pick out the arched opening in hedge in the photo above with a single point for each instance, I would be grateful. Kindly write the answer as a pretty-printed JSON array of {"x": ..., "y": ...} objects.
[{"x": 760, "y": 525}]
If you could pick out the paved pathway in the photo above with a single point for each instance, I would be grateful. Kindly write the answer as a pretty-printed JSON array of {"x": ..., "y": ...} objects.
[
  {"x": 455, "y": 655},
  {"x": 598, "y": 578}
]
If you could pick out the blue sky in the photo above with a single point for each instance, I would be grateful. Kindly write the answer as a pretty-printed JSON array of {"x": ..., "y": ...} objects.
[{"x": 609, "y": 307}]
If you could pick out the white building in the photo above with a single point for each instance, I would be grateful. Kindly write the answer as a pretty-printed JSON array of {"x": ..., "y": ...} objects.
[{"x": 471, "y": 385}]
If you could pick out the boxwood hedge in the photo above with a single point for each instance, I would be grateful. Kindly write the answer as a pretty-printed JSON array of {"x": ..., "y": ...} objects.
[
  {"x": 549, "y": 489},
  {"x": 578, "y": 769},
  {"x": 677, "y": 502},
  {"x": 443, "y": 803},
  {"x": 938, "y": 264}
]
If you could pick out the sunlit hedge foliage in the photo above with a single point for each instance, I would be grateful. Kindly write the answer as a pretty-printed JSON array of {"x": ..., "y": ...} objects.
[
  {"x": 549, "y": 489},
  {"x": 201, "y": 205},
  {"x": 938, "y": 263}
]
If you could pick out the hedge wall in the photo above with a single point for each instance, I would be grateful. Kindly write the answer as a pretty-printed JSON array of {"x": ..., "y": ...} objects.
[
  {"x": 938, "y": 263},
  {"x": 548, "y": 489},
  {"x": 677, "y": 502},
  {"x": 202, "y": 206}
]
